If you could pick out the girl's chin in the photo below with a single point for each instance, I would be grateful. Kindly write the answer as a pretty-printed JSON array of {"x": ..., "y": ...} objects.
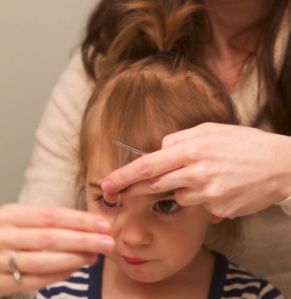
[{"x": 142, "y": 277}]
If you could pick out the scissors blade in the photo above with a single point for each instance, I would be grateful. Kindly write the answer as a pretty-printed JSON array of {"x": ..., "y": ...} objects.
[{"x": 130, "y": 148}]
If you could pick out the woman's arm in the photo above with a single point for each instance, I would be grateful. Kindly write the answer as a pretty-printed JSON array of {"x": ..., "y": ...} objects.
[
  {"x": 231, "y": 170},
  {"x": 50, "y": 177}
]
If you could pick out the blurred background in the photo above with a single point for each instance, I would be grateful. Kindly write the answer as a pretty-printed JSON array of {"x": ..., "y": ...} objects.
[{"x": 36, "y": 41}]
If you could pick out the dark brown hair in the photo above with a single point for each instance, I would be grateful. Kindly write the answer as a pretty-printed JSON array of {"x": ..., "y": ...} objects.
[
  {"x": 142, "y": 101},
  {"x": 106, "y": 20}
]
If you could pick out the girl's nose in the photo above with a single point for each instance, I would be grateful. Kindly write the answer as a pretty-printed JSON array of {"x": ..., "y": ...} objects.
[{"x": 132, "y": 231}]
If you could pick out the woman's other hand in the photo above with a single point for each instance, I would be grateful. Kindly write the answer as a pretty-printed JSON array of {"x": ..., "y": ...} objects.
[
  {"x": 51, "y": 243},
  {"x": 231, "y": 170}
]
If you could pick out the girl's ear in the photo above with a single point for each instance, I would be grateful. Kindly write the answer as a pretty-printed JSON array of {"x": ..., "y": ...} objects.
[{"x": 215, "y": 219}]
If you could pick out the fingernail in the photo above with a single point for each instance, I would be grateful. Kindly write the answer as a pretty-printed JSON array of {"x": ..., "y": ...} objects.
[
  {"x": 111, "y": 196},
  {"x": 108, "y": 186},
  {"x": 107, "y": 244},
  {"x": 102, "y": 226}
]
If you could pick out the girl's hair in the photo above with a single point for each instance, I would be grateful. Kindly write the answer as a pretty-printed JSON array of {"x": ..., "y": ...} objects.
[
  {"x": 140, "y": 102},
  {"x": 106, "y": 22}
]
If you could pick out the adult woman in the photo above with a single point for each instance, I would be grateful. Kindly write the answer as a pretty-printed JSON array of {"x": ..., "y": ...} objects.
[{"x": 51, "y": 174}]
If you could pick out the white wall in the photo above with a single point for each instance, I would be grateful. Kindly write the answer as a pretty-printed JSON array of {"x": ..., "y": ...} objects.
[{"x": 36, "y": 39}]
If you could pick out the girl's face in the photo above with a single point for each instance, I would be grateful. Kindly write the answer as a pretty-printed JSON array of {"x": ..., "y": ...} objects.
[{"x": 155, "y": 237}]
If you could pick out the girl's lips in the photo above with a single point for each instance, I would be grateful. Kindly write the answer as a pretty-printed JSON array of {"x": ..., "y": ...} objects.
[{"x": 134, "y": 261}]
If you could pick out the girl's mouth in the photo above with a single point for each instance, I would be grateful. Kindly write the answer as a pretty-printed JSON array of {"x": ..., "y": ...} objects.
[{"x": 134, "y": 261}]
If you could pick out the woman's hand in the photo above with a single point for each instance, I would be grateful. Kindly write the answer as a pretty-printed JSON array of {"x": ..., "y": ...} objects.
[
  {"x": 51, "y": 243},
  {"x": 231, "y": 170}
]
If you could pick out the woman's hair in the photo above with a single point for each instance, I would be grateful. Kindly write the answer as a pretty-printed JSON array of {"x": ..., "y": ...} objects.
[
  {"x": 139, "y": 102},
  {"x": 107, "y": 19}
]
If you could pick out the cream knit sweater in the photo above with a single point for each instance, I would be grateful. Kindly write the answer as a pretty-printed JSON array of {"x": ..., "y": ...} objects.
[{"x": 50, "y": 177}]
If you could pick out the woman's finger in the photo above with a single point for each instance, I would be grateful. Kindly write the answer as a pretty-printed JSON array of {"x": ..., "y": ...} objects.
[
  {"x": 192, "y": 133},
  {"x": 221, "y": 208},
  {"x": 188, "y": 197},
  {"x": 32, "y": 216},
  {"x": 13, "y": 238},
  {"x": 149, "y": 166},
  {"x": 40, "y": 263},
  {"x": 183, "y": 178},
  {"x": 29, "y": 283}
]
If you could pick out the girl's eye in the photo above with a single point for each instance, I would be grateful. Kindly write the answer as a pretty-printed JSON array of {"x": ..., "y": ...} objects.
[
  {"x": 106, "y": 203},
  {"x": 168, "y": 206}
]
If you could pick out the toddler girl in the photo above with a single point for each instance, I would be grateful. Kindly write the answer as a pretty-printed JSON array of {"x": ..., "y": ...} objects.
[{"x": 160, "y": 251}]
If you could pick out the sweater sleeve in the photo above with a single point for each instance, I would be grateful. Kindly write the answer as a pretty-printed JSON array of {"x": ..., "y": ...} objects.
[{"x": 50, "y": 177}]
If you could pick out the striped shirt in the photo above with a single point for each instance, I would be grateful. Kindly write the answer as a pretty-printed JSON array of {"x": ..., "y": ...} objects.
[{"x": 229, "y": 281}]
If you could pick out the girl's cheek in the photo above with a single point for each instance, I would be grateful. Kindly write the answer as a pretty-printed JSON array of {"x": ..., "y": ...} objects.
[{"x": 109, "y": 214}]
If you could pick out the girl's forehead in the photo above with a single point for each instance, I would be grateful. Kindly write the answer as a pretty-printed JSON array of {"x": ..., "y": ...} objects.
[{"x": 100, "y": 163}]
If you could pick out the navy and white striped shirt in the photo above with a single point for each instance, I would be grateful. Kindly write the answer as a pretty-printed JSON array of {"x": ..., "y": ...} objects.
[{"x": 228, "y": 281}]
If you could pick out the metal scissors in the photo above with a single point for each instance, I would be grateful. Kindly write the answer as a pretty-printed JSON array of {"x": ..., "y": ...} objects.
[{"x": 130, "y": 148}]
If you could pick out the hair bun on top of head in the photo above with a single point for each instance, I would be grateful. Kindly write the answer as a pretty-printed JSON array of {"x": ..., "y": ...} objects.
[
  {"x": 155, "y": 28},
  {"x": 166, "y": 54}
]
